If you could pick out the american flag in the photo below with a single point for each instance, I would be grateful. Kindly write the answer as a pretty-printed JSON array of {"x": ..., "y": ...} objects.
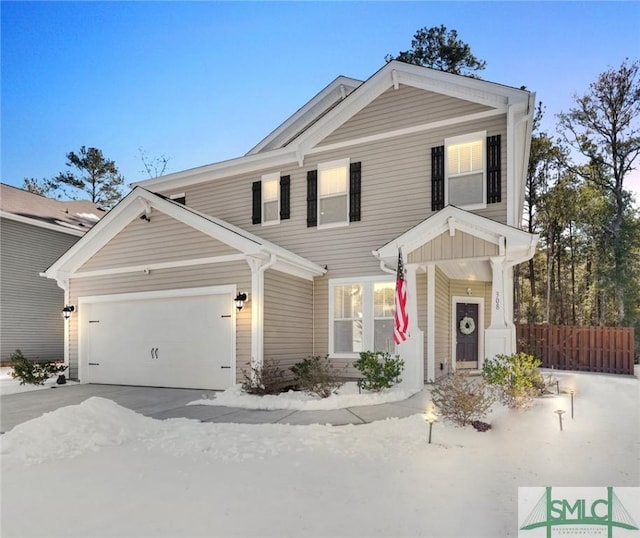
[{"x": 401, "y": 317}]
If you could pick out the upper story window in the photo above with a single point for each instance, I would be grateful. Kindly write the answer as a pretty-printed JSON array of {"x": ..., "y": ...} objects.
[
  {"x": 465, "y": 178},
  {"x": 271, "y": 199},
  {"x": 271, "y": 196},
  {"x": 333, "y": 194},
  {"x": 465, "y": 172}
]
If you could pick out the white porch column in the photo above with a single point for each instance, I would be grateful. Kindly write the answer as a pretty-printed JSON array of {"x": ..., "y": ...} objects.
[
  {"x": 258, "y": 267},
  {"x": 499, "y": 337},
  {"x": 412, "y": 349},
  {"x": 431, "y": 322}
]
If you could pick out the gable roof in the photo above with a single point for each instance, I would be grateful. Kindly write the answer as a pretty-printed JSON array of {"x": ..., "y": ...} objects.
[
  {"x": 141, "y": 202},
  {"x": 307, "y": 115},
  {"x": 73, "y": 217},
  {"x": 513, "y": 243},
  {"x": 315, "y": 121}
]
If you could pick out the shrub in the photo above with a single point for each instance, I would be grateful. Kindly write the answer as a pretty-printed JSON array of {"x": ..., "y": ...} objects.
[
  {"x": 267, "y": 378},
  {"x": 516, "y": 378},
  {"x": 379, "y": 369},
  {"x": 317, "y": 376},
  {"x": 462, "y": 399},
  {"x": 33, "y": 372}
]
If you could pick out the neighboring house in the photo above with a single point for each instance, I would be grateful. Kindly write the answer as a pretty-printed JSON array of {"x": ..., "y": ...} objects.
[
  {"x": 34, "y": 232},
  {"x": 309, "y": 224}
]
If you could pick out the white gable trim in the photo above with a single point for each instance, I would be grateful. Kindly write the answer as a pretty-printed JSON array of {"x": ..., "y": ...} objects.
[
  {"x": 341, "y": 87},
  {"x": 142, "y": 202},
  {"x": 500, "y": 98},
  {"x": 512, "y": 242},
  {"x": 405, "y": 131}
]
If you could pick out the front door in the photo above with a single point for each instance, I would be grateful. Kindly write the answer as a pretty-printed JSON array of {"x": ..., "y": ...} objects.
[{"x": 466, "y": 336}]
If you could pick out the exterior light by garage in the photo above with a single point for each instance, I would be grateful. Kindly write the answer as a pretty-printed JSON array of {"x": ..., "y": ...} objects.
[
  {"x": 239, "y": 300},
  {"x": 67, "y": 310}
]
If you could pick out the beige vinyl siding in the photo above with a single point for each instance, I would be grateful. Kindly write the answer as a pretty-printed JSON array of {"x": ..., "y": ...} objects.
[
  {"x": 460, "y": 246},
  {"x": 31, "y": 314},
  {"x": 396, "y": 195},
  {"x": 288, "y": 319},
  {"x": 397, "y": 109},
  {"x": 231, "y": 273},
  {"x": 163, "y": 239},
  {"x": 442, "y": 324}
]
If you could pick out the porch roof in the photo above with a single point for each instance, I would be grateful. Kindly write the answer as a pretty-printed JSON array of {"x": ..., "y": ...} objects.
[{"x": 491, "y": 239}]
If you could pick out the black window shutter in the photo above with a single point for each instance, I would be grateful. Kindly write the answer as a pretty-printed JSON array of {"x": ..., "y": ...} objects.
[
  {"x": 285, "y": 184},
  {"x": 257, "y": 202},
  {"x": 312, "y": 198},
  {"x": 437, "y": 178},
  {"x": 494, "y": 182},
  {"x": 354, "y": 192}
]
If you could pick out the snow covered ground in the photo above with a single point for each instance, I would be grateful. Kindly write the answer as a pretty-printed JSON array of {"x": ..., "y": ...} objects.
[
  {"x": 99, "y": 470},
  {"x": 9, "y": 385}
]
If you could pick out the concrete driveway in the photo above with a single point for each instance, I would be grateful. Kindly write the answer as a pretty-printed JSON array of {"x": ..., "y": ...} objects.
[{"x": 162, "y": 403}]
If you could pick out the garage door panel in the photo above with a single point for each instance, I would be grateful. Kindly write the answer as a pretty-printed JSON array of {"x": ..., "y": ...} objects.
[{"x": 175, "y": 341}]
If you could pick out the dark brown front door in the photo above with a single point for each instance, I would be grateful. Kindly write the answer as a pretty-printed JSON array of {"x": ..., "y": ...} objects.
[{"x": 466, "y": 335}]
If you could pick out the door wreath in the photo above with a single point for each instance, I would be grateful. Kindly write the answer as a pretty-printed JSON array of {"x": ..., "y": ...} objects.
[{"x": 467, "y": 325}]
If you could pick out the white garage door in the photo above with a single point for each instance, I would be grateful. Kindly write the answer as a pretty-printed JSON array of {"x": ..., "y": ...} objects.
[{"x": 183, "y": 341}]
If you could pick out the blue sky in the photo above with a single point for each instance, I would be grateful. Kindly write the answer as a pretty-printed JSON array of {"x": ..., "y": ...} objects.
[{"x": 201, "y": 82}]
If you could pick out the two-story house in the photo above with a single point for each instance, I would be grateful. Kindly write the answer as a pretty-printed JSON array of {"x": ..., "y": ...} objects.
[{"x": 308, "y": 225}]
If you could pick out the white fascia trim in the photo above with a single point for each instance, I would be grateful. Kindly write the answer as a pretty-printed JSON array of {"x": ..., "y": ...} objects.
[
  {"x": 467, "y": 88},
  {"x": 454, "y": 218},
  {"x": 71, "y": 230},
  {"x": 157, "y": 266},
  {"x": 130, "y": 208},
  {"x": 275, "y": 158},
  {"x": 407, "y": 131},
  {"x": 338, "y": 84}
]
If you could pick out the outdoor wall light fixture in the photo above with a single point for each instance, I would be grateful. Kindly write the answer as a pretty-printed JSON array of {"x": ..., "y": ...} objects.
[
  {"x": 239, "y": 300},
  {"x": 67, "y": 310},
  {"x": 469, "y": 292}
]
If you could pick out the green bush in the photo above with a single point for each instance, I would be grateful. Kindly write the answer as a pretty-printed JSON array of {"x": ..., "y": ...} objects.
[
  {"x": 516, "y": 378},
  {"x": 317, "y": 376},
  {"x": 379, "y": 369},
  {"x": 267, "y": 378},
  {"x": 462, "y": 399},
  {"x": 33, "y": 372}
]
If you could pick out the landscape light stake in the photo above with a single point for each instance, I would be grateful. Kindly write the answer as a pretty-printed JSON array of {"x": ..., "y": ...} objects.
[
  {"x": 557, "y": 386},
  {"x": 430, "y": 418},
  {"x": 571, "y": 391},
  {"x": 560, "y": 413}
]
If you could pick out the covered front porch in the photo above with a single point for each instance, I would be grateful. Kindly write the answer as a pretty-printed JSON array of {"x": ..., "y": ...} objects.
[{"x": 459, "y": 277}]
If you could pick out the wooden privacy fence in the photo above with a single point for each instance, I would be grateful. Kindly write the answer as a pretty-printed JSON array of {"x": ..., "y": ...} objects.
[{"x": 592, "y": 349}]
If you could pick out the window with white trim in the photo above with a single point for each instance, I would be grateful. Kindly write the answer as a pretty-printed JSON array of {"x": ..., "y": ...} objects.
[
  {"x": 333, "y": 194},
  {"x": 361, "y": 315},
  {"x": 271, "y": 199},
  {"x": 465, "y": 175}
]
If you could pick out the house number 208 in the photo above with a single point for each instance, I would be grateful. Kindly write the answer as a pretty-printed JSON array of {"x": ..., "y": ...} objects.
[{"x": 497, "y": 300}]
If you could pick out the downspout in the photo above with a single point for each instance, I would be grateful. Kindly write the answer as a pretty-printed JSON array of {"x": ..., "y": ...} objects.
[{"x": 257, "y": 309}]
